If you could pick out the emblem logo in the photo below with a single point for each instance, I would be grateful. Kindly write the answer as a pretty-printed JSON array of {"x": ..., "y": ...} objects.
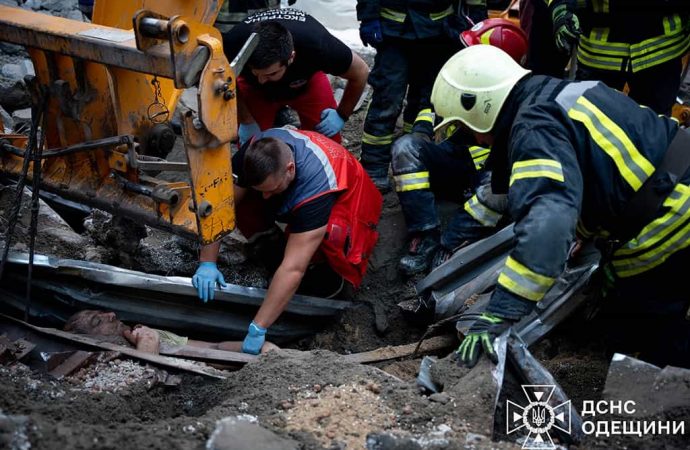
[{"x": 538, "y": 417}]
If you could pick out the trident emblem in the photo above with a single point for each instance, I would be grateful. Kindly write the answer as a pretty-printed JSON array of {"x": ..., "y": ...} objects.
[{"x": 539, "y": 416}]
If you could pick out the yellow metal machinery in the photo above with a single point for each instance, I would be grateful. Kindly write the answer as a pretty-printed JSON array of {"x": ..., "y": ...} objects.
[{"x": 108, "y": 87}]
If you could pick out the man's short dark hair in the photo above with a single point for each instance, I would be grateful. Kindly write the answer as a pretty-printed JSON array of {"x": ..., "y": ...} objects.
[
  {"x": 262, "y": 158},
  {"x": 275, "y": 45},
  {"x": 79, "y": 323}
]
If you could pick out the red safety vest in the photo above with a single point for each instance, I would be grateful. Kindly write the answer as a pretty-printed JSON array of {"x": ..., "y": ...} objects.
[{"x": 351, "y": 231}]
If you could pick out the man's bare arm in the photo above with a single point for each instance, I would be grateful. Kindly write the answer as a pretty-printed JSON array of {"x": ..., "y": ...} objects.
[
  {"x": 298, "y": 253},
  {"x": 356, "y": 76}
]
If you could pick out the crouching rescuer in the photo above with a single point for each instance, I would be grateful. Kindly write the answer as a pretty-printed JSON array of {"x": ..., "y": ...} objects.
[
  {"x": 330, "y": 206},
  {"x": 579, "y": 159}
]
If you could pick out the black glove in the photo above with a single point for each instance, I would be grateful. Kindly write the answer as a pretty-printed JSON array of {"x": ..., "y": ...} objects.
[
  {"x": 566, "y": 25},
  {"x": 292, "y": 2},
  {"x": 481, "y": 336}
]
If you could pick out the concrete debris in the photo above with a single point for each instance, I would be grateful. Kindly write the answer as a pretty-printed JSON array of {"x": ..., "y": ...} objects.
[
  {"x": 17, "y": 72},
  {"x": 653, "y": 389},
  {"x": 14, "y": 95},
  {"x": 435, "y": 439},
  {"x": 21, "y": 120},
  {"x": 243, "y": 432},
  {"x": 114, "y": 376},
  {"x": 55, "y": 234},
  {"x": 14, "y": 432},
  {"x": 7, "y": 121}
]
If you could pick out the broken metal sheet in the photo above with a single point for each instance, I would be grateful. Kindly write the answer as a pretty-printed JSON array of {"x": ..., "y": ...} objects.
[
  {"x": 468, "y": 262},
  {"x": 61, "y": 287},
  {"x": 449, "y": 303},
  {"x": 527, "y": 394},
  {"x": 424, "y": 378},
  {"x": 564, "y": 297}
]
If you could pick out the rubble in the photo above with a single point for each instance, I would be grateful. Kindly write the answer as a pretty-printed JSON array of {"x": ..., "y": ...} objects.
[
  {"x": 243, "y": 432},
  {"x": 653, "y": 390}
]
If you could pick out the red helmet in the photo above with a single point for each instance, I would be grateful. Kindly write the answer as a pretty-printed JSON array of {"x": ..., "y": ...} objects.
[{"x": 501, "y": 33}]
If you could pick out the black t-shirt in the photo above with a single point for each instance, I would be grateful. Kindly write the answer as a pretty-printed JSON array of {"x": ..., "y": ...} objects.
[
  {"x": 309, "y": 216},
  {"x": 316, "y": 50}
]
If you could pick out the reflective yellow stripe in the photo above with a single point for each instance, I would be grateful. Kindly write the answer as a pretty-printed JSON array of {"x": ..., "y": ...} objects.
[
  {"x": 485, "y": 37},
  {"x": 482, "y": 213},
  {"x": 599, "y": 62},
  {"x": 631, "y": 164},
  {"x": 537, "y": 168},
  {"x": 582, "y": 231},
  {"x": 600, "y": 6},
  {"x": 425, "y": 115},
  {"x": 412, "y": 181},
  {"x": 377, "y": 140},
  {"x": 393, "y": 15},
  {"x": 595, "y": 50},
  {"x": 407, "y": 127},
  {"x": 520, "y": 280},
  {"x": 440, "y": 15},
  {"x": 598, "y": 44},
  {"x": 672, "y": 23},
  {"x": 669, "y": 48},
  {"x": 479, "y": 156},
  {"x": 659, "y": 239}
]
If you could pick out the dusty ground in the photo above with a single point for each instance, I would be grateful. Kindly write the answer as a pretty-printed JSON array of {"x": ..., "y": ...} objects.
[{"x": 312, "y": 397}]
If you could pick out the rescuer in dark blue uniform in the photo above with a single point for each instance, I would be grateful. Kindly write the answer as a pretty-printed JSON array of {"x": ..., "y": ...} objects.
[
  {"x": 578, "y": 158},
  {"x": 412, "y": 39}
]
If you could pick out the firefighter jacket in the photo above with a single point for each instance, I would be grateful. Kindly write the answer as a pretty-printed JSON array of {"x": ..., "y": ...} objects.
[
  {"x": 351, "y": 230},
  {"x": 571, "y": 155},
  {"x": 622, "y": 37},
  {"x": 411, "y": 19}
]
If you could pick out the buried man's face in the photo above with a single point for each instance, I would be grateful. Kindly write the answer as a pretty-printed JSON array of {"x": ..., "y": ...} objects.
[{"x": 101, "y": 323}]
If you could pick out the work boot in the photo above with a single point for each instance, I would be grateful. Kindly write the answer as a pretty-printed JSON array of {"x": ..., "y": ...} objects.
[
  {"x": 441, "y": 256},
  {"x": 444, "y": 254},
  {"x": 420, "y": 250}
]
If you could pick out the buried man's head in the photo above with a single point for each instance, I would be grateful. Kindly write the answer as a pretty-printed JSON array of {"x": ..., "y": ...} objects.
[{"x": 95, "y": 322}]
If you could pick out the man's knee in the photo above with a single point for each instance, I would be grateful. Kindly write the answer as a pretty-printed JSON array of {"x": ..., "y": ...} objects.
[{"x": 406, "y": 153}]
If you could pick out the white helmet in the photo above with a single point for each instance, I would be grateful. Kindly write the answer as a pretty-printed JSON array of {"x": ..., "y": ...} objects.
[{"x": 473, "y": 85}]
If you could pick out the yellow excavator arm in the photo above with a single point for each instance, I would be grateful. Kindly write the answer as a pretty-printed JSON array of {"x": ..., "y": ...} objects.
[{"x": 108, "y": 88}]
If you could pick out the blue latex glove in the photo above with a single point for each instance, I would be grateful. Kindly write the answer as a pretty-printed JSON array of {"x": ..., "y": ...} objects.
[
  {"x": 370, "y": 33},
  {"x": 247, "y": 130},
  {"x": 256, "y": 336},
  {"x": 205, "y": 279},
  {"x": 331, "y": 123}
]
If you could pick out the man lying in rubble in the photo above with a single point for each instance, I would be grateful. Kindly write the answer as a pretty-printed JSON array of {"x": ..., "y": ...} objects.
[
  {"x": 288, "y": 68},
  {"x": 143, "y": 338},
  {"x": 328, "y": 202}
]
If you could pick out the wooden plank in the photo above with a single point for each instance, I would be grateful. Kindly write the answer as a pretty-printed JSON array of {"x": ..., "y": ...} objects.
[
  {"x": 22, "y": 347},
  {"x": 175, "y": 363},
  {"x": 401, "y": 351},
  {"x": 210, "y": 354},
  {"x": 75, "y": 361}
]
